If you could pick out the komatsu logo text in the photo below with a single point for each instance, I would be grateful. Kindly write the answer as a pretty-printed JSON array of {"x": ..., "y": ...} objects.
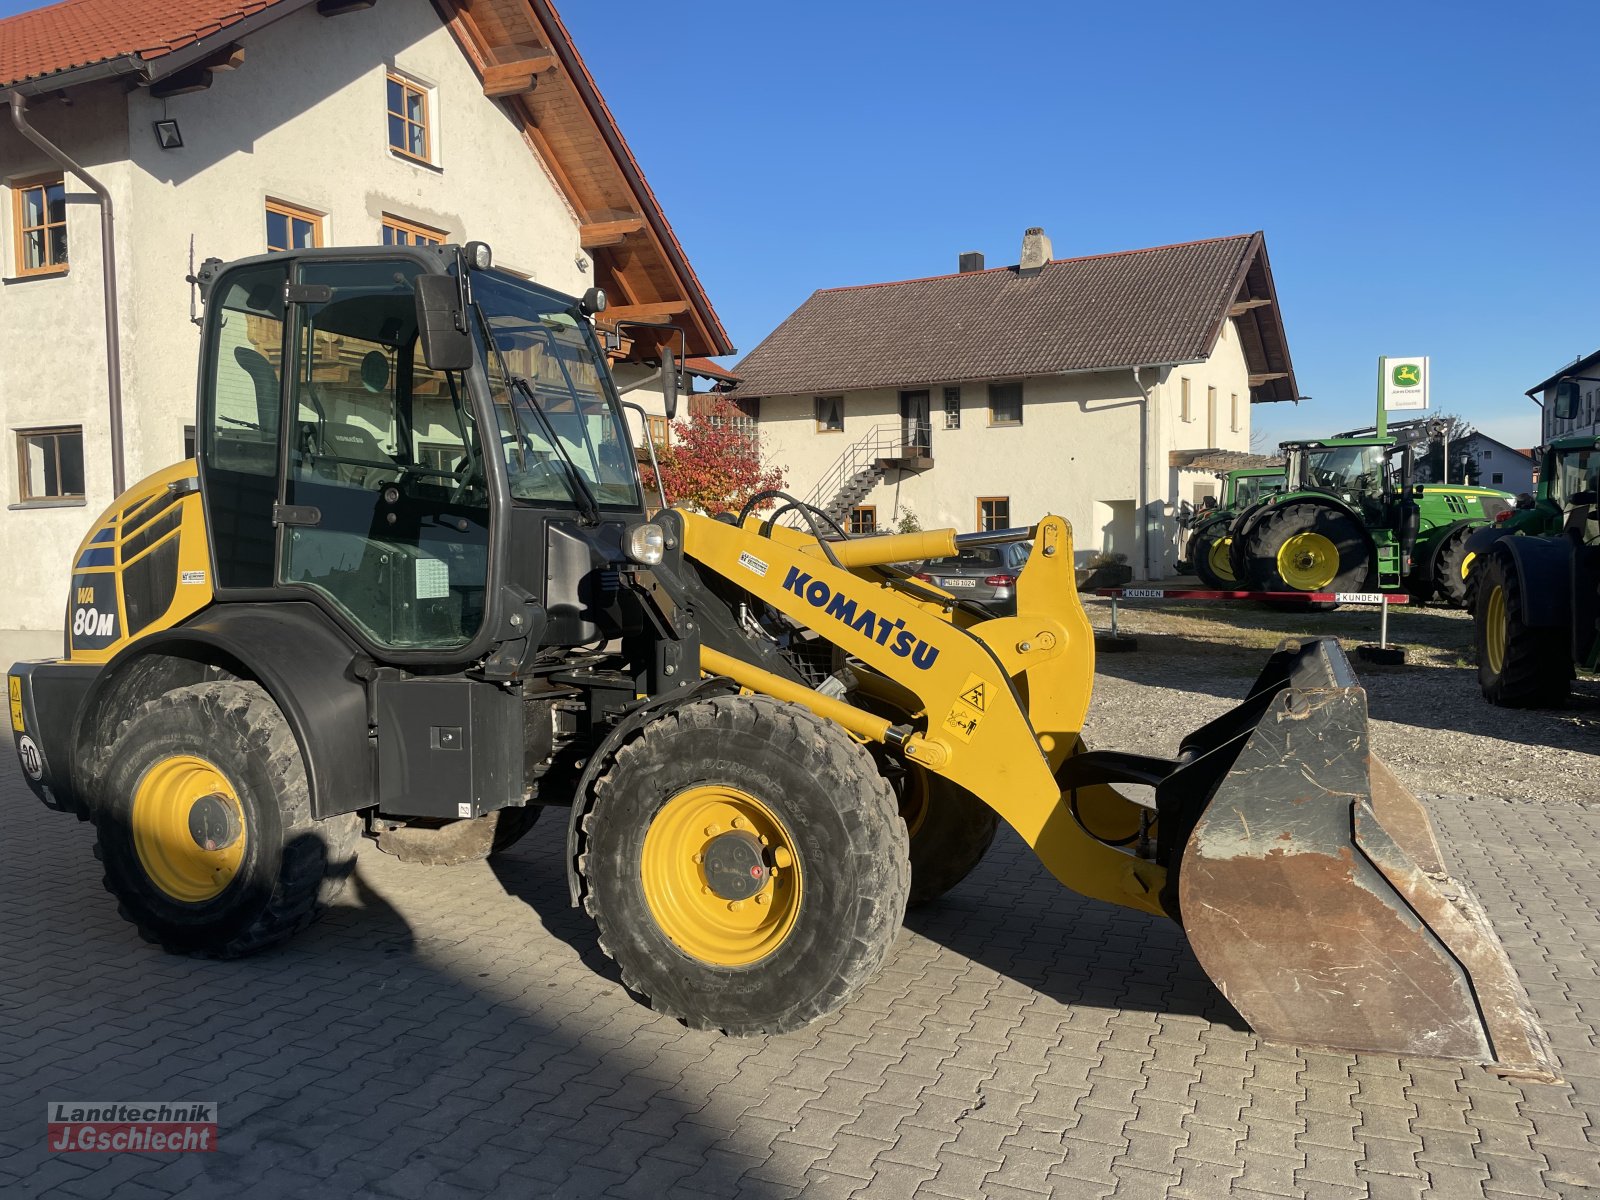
[{"x": 882, "y": 630}]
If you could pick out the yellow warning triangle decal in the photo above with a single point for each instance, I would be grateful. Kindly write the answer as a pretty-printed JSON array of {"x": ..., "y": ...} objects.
[{"x": 974, "y": 696}]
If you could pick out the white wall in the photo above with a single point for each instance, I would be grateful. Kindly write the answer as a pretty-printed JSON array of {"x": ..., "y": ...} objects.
[
  {"x": 52, "y": 349},
  {"x": 302, "y": 121}
]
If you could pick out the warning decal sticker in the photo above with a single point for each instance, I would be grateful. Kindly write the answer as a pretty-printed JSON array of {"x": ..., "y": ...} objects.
[{"x": 968, "y": 709}]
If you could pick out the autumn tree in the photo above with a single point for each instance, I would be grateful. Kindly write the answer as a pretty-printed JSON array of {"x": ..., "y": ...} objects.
[{"x": 715, "y": 465}]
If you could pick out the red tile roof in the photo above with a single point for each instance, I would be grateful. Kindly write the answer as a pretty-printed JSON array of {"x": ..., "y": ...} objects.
[
  {"x": 77, "y": 33},
  {"x": 1110, "y": 311},
  {"x": 711, "y": 370}
]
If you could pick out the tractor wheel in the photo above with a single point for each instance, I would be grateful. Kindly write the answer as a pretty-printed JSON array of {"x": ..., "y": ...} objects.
[
  {"x": 745, "y": 864},
  {"x": 1306, "y": 548},
  {"x": 950, "y": 831},
  {"x": 1450, "y": 569},
  {"x": 1210, "y": 554},
  {"x": 456, "y": 842},
  {"x": 1519, "y": 665},
  {"x": 204, "y": 825}
]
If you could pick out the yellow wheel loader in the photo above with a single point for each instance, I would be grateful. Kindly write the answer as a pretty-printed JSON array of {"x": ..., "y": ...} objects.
[{"x": 407, "y": 589}]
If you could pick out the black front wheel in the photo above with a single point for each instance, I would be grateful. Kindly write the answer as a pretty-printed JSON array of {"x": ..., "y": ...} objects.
[
  {"x": 204, "y": 826},
  {"x": 1211, "y": 552},
  {"x": 1519, "y": 665},
  {"x": 1450, "y": 569},
  {"x": 1306, "y": 548},
  {"x": 746, "y": 865}
]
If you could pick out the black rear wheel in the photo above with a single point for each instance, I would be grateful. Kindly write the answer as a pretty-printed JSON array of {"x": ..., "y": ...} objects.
[
  {"x": 204, "y": 826},
  {"x": 950, "y": 831},
  {"x": 1519, "y": 665},
  {"x": 1210, "y": 553},
  {"x": 1306, "y": 548},
  {"x": 1450, "y": 569},
  {"x": 746, "y": 865}
]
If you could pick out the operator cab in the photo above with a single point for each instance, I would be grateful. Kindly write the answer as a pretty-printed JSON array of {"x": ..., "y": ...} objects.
[{"x": 423, "y": 446}]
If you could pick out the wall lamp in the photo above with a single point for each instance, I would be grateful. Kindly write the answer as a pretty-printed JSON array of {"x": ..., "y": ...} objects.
[{"x": 168, "y": 136}]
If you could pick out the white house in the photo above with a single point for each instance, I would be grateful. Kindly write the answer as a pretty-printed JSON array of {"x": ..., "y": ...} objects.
[
  {"x": 1586, "y": 373},
  {"x": 988, "y": 398},
  {"x": 1497, "y": 464},
  {"x": 230, "y": 127}
]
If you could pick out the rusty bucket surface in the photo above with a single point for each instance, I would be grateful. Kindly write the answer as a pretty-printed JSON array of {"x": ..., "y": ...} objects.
[{"x": 1313, "y": 893}]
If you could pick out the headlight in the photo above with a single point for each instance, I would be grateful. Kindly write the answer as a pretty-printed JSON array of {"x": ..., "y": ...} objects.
[
  {"x": 479, "y": 256},
  {"x": 646, "y": 544}
]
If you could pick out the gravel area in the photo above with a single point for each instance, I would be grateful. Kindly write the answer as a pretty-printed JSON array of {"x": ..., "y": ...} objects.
[{"x": 1429, "y": 722}]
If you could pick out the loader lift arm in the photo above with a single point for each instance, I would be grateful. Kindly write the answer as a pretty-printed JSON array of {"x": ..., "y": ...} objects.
[{"x": 1286, "y": 850}]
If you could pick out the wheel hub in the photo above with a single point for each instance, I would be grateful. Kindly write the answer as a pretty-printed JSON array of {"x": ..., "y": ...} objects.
[
  {"x": 735, "y": 865},
  {"x": 212, "y": 823}
]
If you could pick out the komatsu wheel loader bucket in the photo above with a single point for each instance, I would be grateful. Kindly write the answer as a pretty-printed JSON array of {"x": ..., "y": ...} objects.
[{"x": 1313, "y": 892}]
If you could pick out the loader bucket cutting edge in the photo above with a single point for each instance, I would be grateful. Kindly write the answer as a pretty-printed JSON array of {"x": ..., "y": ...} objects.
[{"x": 1313, "y": 894}]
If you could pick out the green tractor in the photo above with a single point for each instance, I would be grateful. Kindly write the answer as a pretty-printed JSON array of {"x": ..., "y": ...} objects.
[
  {"x": 1211, "y": 540},
  {"x": 1350, "y": 519},
  {"x": 1568, "y": 465},
  {"x": 1536, "y": 582}
]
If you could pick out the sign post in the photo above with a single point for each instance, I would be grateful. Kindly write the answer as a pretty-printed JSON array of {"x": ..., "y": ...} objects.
[{"x": 1402, "y": 383}]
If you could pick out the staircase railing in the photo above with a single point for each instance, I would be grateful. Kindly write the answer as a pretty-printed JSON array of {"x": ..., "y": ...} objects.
[{"x": 881, "y": 441}]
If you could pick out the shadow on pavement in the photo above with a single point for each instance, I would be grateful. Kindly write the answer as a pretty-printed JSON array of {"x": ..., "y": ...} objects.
[{"x": 358, "y": 1058}]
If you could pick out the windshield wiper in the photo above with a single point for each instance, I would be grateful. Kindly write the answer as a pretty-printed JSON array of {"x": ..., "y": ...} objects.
[{"x": 582, "y": 493}]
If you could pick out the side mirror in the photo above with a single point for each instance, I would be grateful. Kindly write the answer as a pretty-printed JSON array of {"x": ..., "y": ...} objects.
[
  {"x": 669, "y": 382},
  {"x": 1565, "y": 405},
  {"x": 441, "y": 325}
]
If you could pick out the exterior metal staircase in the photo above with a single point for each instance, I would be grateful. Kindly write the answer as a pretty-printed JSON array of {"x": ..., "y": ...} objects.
[{"x": 899, "y": 446}]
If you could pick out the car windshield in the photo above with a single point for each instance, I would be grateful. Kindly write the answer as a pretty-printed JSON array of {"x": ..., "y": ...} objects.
[
  {"x": 542, "y": 343},
  {"x": 1345, "y": 468}
]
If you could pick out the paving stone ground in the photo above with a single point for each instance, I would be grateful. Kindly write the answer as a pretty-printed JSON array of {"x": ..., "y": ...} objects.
[{"x": 456, "y": 1032}]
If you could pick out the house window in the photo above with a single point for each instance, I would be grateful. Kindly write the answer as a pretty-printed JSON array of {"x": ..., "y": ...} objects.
[
  {"x": 1211, "y": 416},
  {"x": 1487, "y": 454},
  {"x": 1497, "y": 477},
  {"x": 188, "y": 441},
  {"x": 1233, "y": 408},
  {"x": 1184, "y": 410},
  {"x": 400, "y": 232},
  {"x": 1005, "y": 403},
  {"x": 864, "y": 519},
  {"x": 659, "y": 432},
  {"x": 50, "y": 463},
  {"x": 40, "y": 211},
  {"x": 291, "y": 228},
  {"x": 830, "y": 414},
  {"x": 994, "y": 512},
  {"x": 408, "y": 119},
  {"x": 952, "y": 408}
]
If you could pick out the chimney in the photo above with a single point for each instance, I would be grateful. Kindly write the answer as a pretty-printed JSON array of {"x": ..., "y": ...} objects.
[
  {"x": 971, "y": 261},
  {"x": 1035, "y": 251}
]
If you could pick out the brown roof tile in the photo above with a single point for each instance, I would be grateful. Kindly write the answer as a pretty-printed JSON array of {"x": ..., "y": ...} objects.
[
  {"x": 77, "y": 33},
  {"x": 1133, "y": 308}
]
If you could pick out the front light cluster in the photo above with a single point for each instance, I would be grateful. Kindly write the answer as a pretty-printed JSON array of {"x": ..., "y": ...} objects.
[{"x": 646, "y": 544}]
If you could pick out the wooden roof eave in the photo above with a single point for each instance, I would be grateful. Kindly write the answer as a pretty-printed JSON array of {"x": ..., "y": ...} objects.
[{"x": 640, "y": 262}]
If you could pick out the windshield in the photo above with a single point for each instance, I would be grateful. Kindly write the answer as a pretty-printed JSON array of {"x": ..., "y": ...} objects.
[
  {"x": 1574, "y": 473},
  {"x": 1345, "y": 468},
  {"x": 542, "y": 343},
  {"x": 1249, "y": 488}
]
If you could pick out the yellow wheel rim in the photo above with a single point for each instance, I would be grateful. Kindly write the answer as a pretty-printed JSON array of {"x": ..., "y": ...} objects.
[
  {"x": 705, "y": 922},
  {"x": 1217, "y": 559},
  {"x": 181, "y": 803},
  {"x": 1308, "y": 562},
  {"x": 1466, "y": 563},
  {"x": 1494, "y": 641}
]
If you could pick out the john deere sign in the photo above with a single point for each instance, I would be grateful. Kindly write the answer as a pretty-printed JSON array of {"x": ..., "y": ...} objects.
[{"x": 1404, "y": 382}]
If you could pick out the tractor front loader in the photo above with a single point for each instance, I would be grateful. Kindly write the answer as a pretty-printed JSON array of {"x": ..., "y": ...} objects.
[{"x": 409, "y": 587}]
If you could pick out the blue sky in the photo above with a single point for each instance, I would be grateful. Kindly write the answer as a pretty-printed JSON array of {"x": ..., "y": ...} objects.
[{"x": 1426, "y": 173}]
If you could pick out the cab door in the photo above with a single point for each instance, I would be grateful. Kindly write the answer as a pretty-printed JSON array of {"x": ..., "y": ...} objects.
[{"x": 384, "y": 513}]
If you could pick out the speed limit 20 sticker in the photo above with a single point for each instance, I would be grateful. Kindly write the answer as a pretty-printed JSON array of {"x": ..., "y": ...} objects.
[{"x": 32, "y": 760}]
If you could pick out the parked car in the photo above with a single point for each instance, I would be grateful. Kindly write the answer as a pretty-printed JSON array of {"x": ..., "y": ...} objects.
[{"x": 986, "y": 575}]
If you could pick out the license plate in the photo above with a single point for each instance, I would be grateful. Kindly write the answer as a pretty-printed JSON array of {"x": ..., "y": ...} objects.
[{"x": 954, "y": 583}]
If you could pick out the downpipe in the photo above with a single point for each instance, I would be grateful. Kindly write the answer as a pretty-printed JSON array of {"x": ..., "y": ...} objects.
[{"x": 108, "y": 254}]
